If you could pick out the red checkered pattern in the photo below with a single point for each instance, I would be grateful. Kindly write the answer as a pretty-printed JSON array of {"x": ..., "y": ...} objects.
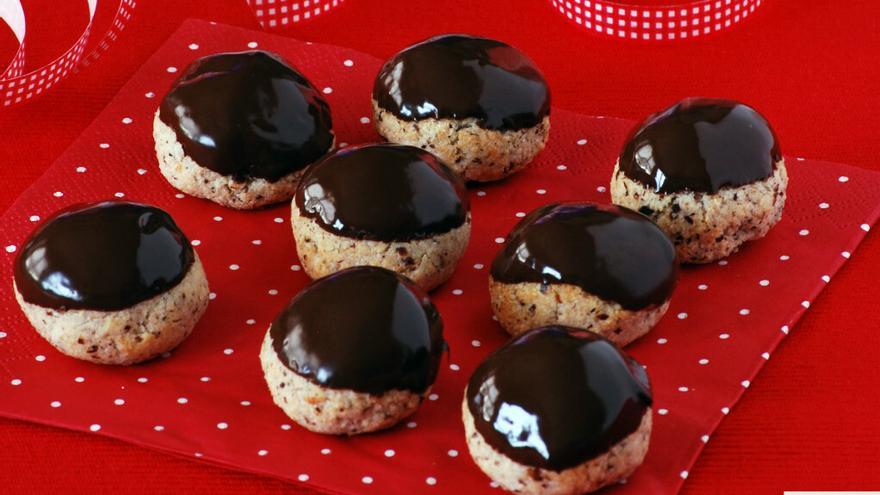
[
  {"x": 276, "y": 13},
  {"x": 658, "y": 22},
  {"x": 16, "y": 66}
]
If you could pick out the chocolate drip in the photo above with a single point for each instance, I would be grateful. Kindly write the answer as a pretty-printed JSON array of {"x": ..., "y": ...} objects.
[
  {"x": 457, "y": 76},
  {"x": 365, "y": 329},
  {"x": 102, "y": 256},
  {"x": 701, "y": 145},
  {"x": 248, "y": 115},
  {"x": 556, "y": 397},
  {"x": 609, "y": 251},
  {"x": 383, "y": 192}
]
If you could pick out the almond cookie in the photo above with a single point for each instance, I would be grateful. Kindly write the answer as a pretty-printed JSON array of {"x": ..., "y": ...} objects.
[
  {"x": 479, "y": 104},
  {"x": 111, "y": 283},
  {"x": 709, "y": 172}
]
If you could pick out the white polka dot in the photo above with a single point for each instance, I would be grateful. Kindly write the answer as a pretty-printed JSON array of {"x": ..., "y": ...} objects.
[
  {"x": 40, "y": 358},
  {"x": 601, "y": 189},
  {"x": 784, "y": 329},
  {"x": 3, "y": 335},
  {"x": 725, "y": 410},
  {"x": 34, "y": 218},
  {"x": 195, "y": 242},
  {"x": 682, "y": 316},
  {"x": 367, "y": 480},
  {"x": 433, "y": 397},
  {"x": 454, "y": 367},
  {"x": 272, "y": 292},
  {"x": 703, "y": 361},
  {"x": 10, "y": 248},
  {"x": 198, "y": 454},
  {"x": 481, "y": 193},
  {"x": 256, "y": 242},
  {"x": 79, "y": 379},
  {"x": 724, "y": 336},
  {"x": 824, "y": 206},
  {"x": 476, "y": 343},
  {"x": 180, "y": 196},
  {"x": 745, "y": 383},
  {"x": 520, "y": 214},
  {"x": 541, "y": 191},
  {"x": 327, "y": 90},
  {"x": 250, "y": 321},
  {"x": 826, "y": 278},
  {"x": 325, "y": 451},
  {"x": 744, "y": 312},
  {"x": 81, "y": 169},
  {"x": 431, "y": 480},
  {"x": 845, "y": 254},
  {"x": 228, "y": 351},
  {"x": 478, "y": 266},
  {"x": 843, "y": 178},
  {"x": 683, "y": 474},
  {"x": 205, "y": 379},
  {"x": 234, "y": 267},
  {"x": 784, "y": 257},
  {"x": 348, "y": 62},
  {"x": 295, "y": 268},
  {"x": 212, "y": 295},
  {"x": 705, "y": 438},
  {"x": 171, "y": 69},
  {"x": 262, "y": 452},
  {"x": 702, "y": 287},
  {"x": 865, "y": 227},
  {"x": 143, "y": 379},
  {"x": 252, "y": 44},
  {"x": 343, "y": 144},
  {"x": 765, "y": 355},
  {"x": 662, "y": 411},
  {"x": 764, "y": 283},
  {"x": 119, "y": 195},
  {"x": 286, "y": 427},
  {"x": 804, "y": 232},
  {"x": 127, "y": 120},
  {"x": 722, "y": 263},
  {"x": 193, "y": 46},
  {"x": 561, "y": 167},
  {"x": 662, "y": 340},
  {"x": 55, "y": 404},
  {"x": 94, "y": 427},
  {"x": 303, "y": 477},
  {"x": 457, "y": 292},
  {"x": 159, "y": 428},
  {"x": 411, "y": 424},
  {"x": 805, "y": 304},
  {"x": 58, "y": 194},
  {"x": 278, "y": 220},
  {"x": 389, "y": 453},
  {"x": 119, "y": 402},
  {"x": 452, "y": 453},
  {"x": 15, "y": 382},
  {"x": 245, "y": 403},
  {"x": 149, "y": 94},
  {"x": 683, "y": 389},
  {"x": 182, "y": 400},
  {"x": 365, "y": 120},
  {"x": 218, "y": 218},
  {"x": 222, "y": 426},
  {"x": 141, "y": 171},
  {"x": 581, "y": 142}
]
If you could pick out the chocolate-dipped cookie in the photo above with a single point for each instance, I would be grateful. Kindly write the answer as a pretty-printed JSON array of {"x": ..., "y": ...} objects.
[
  {"x": 602, "y": 268},
  {"x": 387, "y": 205},
  {"x": 708, "y": 171},
  {"x": 239, "y": 128},
  {"x": 557, "y": 410},
  {"x": 112, "y": 282},
  {"x": 353, "y": 352},
  {"x": 479, "y": 104}
]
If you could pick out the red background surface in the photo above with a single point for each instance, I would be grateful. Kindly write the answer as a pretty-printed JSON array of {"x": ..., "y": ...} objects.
[{"x": 808, "y": 421}]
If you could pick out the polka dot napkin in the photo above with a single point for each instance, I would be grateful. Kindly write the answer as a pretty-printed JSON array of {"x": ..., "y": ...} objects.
[{"x": 207, "y": 400}]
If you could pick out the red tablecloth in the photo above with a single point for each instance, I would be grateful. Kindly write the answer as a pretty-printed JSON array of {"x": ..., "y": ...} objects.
[{"x": 808, "y": 421}]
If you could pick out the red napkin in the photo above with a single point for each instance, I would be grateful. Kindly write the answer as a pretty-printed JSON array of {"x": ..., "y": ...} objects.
[{"x": 207, "y": 399}]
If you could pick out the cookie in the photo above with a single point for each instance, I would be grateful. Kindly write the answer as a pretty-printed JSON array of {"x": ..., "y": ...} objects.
[
  {"x": 393, "y": 206},
  {"x": 479, "y": 104},
  {"x": 239, "y": 128},
  {"x": 709, "y": 172},
  {"x": 602, "y": 268},
  {"x": 111, "y": 283},
  {"x": 354, "y": 352},
  {"x": 557, "y": 410}
]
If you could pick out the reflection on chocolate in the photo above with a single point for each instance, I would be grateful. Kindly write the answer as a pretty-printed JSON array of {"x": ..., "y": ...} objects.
[
  {"x": 609, "y": 251},
  {"x": 701, "y": 145},
  {"x": 248, "y": 115},
  {"x": 383, "y": 192},
  {"x": 457, "y": 76},
  {"x": 556, "y": 397},
  {"x": 365, "y": 329},
  {"x": 102, "y": 256}
]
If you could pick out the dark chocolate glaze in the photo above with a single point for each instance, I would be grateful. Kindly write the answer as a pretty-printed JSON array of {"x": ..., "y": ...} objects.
[
  {"x": 701, "y": 145},
  {"x": 456, "y": 76},
  {"x": 609, "y": 251},
  {"x": 102, "y": 256},
  {"x": 248, "y": 115},
  {"x": 365, "y": 329},
  {"x": 383, "y": 192},
  {"x": 556, "y": 397}
]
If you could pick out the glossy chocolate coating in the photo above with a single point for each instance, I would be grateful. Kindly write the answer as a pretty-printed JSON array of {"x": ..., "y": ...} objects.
[
  {"x": 383, "y": 192},
  {"x": 102, "y": 256},
  {"x": 701, "y": 145},
  {"x": 609, "y": 251},
  {"x": 457, "y": 76},
  {"x": 556, "y": 397},
  {"x": 248, "y": 115},
  {"x": 365, "y": 329}
]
